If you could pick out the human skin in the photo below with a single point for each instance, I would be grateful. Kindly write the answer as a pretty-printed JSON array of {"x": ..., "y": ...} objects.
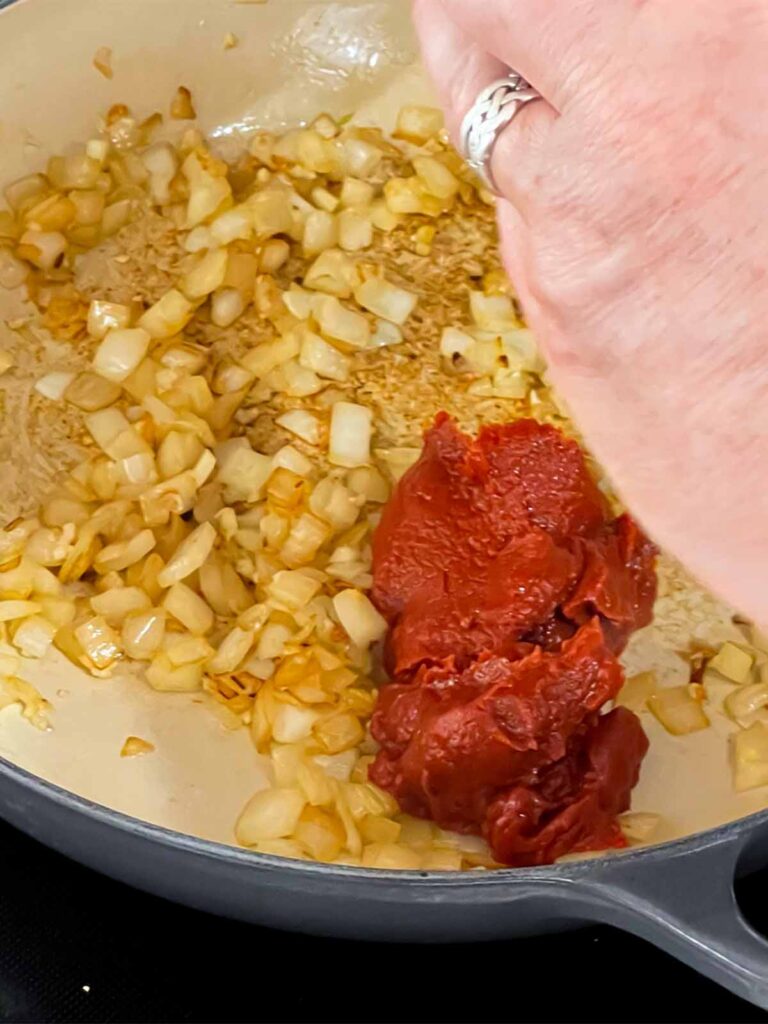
[{"x": 633, "y": 226}]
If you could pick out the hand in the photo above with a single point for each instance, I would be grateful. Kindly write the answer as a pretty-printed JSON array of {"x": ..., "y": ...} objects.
[{"x": 635, "y": 231}]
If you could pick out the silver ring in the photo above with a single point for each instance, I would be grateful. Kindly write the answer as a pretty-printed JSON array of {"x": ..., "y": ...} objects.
[{"x": 495, "y": 108}]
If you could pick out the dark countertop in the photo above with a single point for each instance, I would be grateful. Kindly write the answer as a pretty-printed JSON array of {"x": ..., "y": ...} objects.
[{"x": 75, "y": 946}]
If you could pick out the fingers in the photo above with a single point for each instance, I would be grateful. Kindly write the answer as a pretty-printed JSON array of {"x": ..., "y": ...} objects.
[
  {"x": 461, "y": 68},
  {"x": 515, "y": 248},
  {"x": 458, "y": 66},
  {"x": 555, "y": 44}
]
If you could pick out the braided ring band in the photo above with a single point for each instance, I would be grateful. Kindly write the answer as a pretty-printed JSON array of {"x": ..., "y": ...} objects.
[{"x": 495, "y": 108}]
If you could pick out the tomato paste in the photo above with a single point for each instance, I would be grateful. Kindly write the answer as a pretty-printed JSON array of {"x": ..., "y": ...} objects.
[{"x": 510, "y": 592}]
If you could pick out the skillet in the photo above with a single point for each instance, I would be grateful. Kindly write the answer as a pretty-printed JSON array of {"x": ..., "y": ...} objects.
[{"x": 678, "y": 895}]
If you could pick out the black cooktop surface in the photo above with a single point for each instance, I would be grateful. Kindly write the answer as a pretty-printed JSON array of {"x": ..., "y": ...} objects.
[{"x": 75, "y": 946}]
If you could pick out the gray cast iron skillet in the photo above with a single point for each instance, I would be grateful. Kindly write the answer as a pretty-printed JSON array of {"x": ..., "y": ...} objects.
[{"x": 678, "y": 895}]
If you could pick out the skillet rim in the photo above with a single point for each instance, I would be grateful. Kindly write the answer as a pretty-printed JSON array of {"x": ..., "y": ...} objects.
[{"x": 235, "y": 855}]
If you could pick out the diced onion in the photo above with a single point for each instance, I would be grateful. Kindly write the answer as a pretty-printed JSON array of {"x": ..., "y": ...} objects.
[
  {"x": 76, "y": 171},
  {"x": 178, "y": 451},
  {"x": 162, "y": 164},
  {"x": 521, "y": 351},
  {"x": 350, "y": 435},
  {"x": 53, "y": 385},
  {"x": 320, "y": 232},
  {"x": 636, "y": 691},
  {"x": 324, "y": 199},
  {"x": 342, "y": 324},
  {"x": 188, "y": 650},
  {"x": 333, "y": 272},
  {"x": 337, "y": 766},
  {"x": 361, "y": 158},
  {"x": 492, "y": 312},
  {"x": 510, "y": 383},
  {"x": 120, "y": 353},
  {"x": 199, "y": 238},
  {"x": 285, "y": 488},
  {"x": 34, "y": 636},
  {"x": 244, "y": 473},
  {"x": 418, "y": 124},
  {"x": 34, "y": 707},
  {"x": 163, "y": 675},
  {"x": 115, "y": 216},
  {"x": 383, "y": 218},
  {"x": 124, "y": 553},
  {"x": 208, "y": 187},
  {"x": 13, "y": 271},
  {"x": 297, "y": 381},
  {"x": 232, "y": 225},
  {"x": 333, "y": 502},
  {"x": 233, "y": 650},
  {"x": 265, "y": 357},
  {"x": 303, "y": 424},
  {"x": 639, "y": 826},
  {"x": 91, "y": 393},
  {"x": 678, "y": 711},
  {"x": 320, "y": 833},
  {"x": 10, "y": 660},
  {"x": 442, "y": 860},
  {"x": 44, "y": 249},
  {"x": 436, "y": 177},
  {"x": 355, "y": 230},
  {"x": 323, "y": 359},
  {"x": 386, "y": 300},
  {"x": 362, "y": 622},
  {"x": 271, "y": 213},
  {"x": 306, "y": 537},
  {"x": 115, "y": 605},
  {"x": 106, "y": 316},
  {"x": 368, "y": 482},
  {"x": 181, "y": 105},
  {"x": 274, "y": 254},
  {"x": 455, "y": 343},
  {"x": 99, "y": 642},
  {"x": 291, "y": 458},
  {"x": 386, "y": 333},
  {"x": 270, "y": 814},
  {"x": 749, "y": 755},
  {"x": 318, "y": 154},
  {"x": 59, "y": 511},
  {"x": 142, "y": 633},
  {"x": 404, "y": 196},
  {"x": 293, "y": 724},
  {"x": 19, "y": 192},
  {"x": 745, "y": 702},
  {"x": 272, "y": 641},
  {"x": 226, "y": 306},
  {"x": 135, "y": 746},
  {"x": 733, "y": 663},
  {"x": 169, "y": 315},
  {"x": 292, "y": 588},
  {"x": 398, "y": 460},
  {"x": 207, "y": 275},
  {"x": 10, "y": 610},
  {"x": 355, "y": 192},
  {"x": 189, "y": 556}
]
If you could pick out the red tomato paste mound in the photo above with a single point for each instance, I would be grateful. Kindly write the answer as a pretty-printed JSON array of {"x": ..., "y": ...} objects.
[{"x": 510, "y": 593}]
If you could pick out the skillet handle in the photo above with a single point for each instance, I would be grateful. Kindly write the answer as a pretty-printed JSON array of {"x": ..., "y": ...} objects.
[{"x": 685, "y": 905}]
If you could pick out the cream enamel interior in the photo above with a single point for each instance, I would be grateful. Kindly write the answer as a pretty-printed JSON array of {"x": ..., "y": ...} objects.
[{"x": 293, "y": 59}]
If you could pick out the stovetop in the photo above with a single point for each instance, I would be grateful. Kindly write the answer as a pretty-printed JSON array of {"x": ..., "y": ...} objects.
[{"x": 75, "y": 946}]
